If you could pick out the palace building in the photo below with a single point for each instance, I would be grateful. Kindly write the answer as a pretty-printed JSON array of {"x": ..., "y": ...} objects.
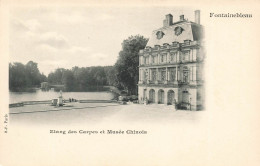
[{"x": 171, "y": 65}]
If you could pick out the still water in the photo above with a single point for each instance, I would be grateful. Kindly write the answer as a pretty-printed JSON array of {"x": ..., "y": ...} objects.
[{"x": 15, "y": 97}]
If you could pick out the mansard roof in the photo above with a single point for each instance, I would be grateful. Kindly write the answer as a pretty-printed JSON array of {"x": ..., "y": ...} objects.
[{"x": 189, "y": 31}]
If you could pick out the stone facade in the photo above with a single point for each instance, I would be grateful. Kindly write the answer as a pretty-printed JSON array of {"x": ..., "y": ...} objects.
[{"x": 172, "y": 72}]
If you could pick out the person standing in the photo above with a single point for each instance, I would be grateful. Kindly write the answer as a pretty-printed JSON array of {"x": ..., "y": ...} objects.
[{"x": 175, "y": 104}]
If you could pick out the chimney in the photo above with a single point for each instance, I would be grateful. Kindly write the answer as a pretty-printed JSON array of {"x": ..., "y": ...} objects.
[
  {"x": 197, "y": 16},
  {"x": 168, "y": 20},
  {"x": 181, "y": 17}
]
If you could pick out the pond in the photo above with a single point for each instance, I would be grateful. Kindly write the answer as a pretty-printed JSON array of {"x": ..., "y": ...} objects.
[{"x": 38, "y": 95}]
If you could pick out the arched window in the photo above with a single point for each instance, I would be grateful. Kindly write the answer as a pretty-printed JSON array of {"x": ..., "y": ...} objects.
[
  {"x": 152, "y": 96},
  {"x": 185, "y": 96},
  {"x": 171, "y": 97},
  {"x": 160, "y": 96}
]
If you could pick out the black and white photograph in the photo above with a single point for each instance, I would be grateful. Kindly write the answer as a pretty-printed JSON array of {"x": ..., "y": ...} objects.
[
  {"x": 129, "y": 83},
  {"x": 89, "y": 64}
]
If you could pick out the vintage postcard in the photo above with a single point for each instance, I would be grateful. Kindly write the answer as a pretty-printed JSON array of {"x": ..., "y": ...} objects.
[{"x": 129, "y": 83}]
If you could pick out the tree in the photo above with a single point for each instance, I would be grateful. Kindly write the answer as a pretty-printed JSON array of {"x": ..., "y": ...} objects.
[
  {"x": 17, "y": 76},
  {"x": 56, "y": 76},
  {"x": 32, "y": 74},
  {"x": 43, "y": 78},
  {"x": 110, "y": 73},
  {"x": 128, "y": 61},
  {"x": 22, "y": 76},
  {"x": 68, "y": 80},
  {"x": 80, "y": 79}
]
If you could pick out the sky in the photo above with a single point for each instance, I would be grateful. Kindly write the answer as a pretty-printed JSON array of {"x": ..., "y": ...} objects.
[{"x": 64, "y": 37}]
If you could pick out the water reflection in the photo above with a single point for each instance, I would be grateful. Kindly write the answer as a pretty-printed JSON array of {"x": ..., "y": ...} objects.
[{"x": 38, "y": 95}]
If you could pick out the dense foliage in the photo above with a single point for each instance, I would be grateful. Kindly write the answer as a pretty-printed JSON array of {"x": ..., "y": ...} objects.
[
  {"x": 83, "y": 79},
  {"x": 123, "y": 75},
  {"x": 24, "y": 76},
  {"x": 127, "y": 64}
]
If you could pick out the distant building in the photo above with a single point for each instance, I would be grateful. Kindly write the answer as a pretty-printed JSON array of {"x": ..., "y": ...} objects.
[
  {"x": 171, "y": 65},
  {"x": 44, "y": 85}
]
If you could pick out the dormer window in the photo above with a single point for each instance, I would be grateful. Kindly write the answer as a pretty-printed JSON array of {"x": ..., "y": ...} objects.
[
  {"x": 178, "y": 30},
  {"x": 159, "y": 34},
  {"x": 156, "y": 46},
  {"x": 187, "y": 42},
  {"x": 165, "y": 45},
  {"x": 175, "y": 44}
]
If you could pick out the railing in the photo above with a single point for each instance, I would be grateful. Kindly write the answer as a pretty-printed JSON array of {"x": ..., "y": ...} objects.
[
  {"x": 183, "y": 82},
  {"x": 164, "y": 47},
  {"x": 171, "y": 62},
  {"x": 155, "y": 49},
  {"x": 167, "y": 46},
  {"x": 174, "y": 45},
  {"x": 159, "y": 82},
  {"x": 189, "y": 43},
  {"x": 147, "y": 50}
]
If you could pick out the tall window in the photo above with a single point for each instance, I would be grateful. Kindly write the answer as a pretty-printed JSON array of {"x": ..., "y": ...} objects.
[
  {"x": 185, "y": 74},
  {"x": 163, "y": 75},
  {"x": 153, "y": 59},
  {"x": 198, "y": 96},
  {"x": 186, "y": 56},
  {"x": 146, "y": 76},
  {"x": 172, "y": 73},
  {"x": 185, "y": 97},
  {"x": 146, "y": 60},
  {"x": 162, "y": 57},
  {"x": 173, "y": 56},
  {"x": 154, "y": 75}
]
